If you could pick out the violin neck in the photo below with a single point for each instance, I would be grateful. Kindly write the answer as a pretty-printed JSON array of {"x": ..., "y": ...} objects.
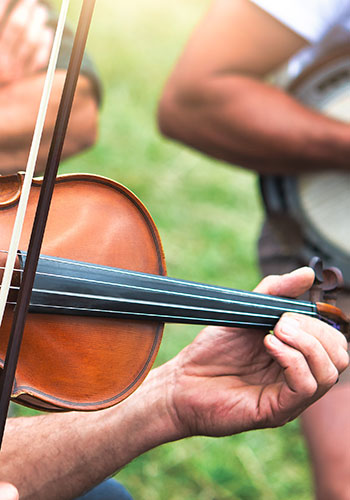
[{"x": 64, "y": 286}]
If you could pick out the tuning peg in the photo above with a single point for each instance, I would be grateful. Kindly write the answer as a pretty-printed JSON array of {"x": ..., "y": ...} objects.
[
  {"x": 327, "y": 282},
  {"x": 333, "y": 280},
  {"x": 316, "y": 291}
]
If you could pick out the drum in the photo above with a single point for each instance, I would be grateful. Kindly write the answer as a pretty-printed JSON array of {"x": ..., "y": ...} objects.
[{"x": 317, "y": 205}]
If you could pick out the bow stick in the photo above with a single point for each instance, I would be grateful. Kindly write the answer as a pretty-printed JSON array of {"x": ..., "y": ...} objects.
[{"x": 43, "y": 206}]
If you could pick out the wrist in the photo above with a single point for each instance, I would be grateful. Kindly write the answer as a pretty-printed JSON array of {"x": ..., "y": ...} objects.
[{"x": 148, "y": 415}]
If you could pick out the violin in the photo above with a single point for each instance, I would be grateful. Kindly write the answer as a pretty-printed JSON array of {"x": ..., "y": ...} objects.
[{"x": 101, "y": 296}]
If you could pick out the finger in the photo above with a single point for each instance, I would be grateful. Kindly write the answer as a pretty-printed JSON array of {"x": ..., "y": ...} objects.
[
  {"x": 287, "y": 285},
  {"x": 298, "y": 376},
  {"x": 299, "y": 387},
  {"x": 15, "y": 30},
  {"x": 317, "y": 358},
  {"x": 43, "y": 53},
  {"x": 34, "y": 53},
  {"x": 324, "y": 348}
]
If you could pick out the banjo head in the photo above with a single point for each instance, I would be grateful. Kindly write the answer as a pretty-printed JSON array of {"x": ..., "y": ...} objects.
[{"x": 319, "y": 203}]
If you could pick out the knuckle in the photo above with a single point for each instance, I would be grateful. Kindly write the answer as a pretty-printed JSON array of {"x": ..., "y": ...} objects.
[
  {"x": 18, "y": 18},
  {"x": 343, "y": 342},
  {"x": 296, "y": 359},
  {"x": 343, "y": 362},
  {"x": 268, "y": 282},
  {"x": 339, "y": 338},
  {"x": 330, "y": 379},
  {"x": 310, "y": 345},
  {"x": 269, "y": 279},
  {"x": 315, "y": 324},
  {"x": 309, "y": 387}
]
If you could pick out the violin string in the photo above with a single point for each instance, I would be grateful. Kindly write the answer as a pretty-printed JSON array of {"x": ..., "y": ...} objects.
[
  {"x": 154, "y": 277},
  {"x": 153, "y": 290},
  {"x": 164, "y": 316},
  {"x": 153, "y": 303},
  {"x": 163, "y": 279},
  {"x": 146, "y": 289},
  {"x": 158, "y": 304}
]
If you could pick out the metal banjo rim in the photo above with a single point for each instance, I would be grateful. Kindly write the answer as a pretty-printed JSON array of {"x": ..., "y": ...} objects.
[{"x": 282, "y": 193}]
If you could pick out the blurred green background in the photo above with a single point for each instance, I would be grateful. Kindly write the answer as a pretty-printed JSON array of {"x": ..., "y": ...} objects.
[{"x": 208, "y": 215}]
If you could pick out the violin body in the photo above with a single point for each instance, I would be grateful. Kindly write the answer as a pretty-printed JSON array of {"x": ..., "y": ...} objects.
[{"x": 83, "y": 363}]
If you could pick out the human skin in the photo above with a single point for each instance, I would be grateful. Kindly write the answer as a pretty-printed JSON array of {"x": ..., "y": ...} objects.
[
  {"x": 8, "y": 492},
  {"x": 25, "y": 40},
  {"x": 227, "y": 381},
  {"x": 217, "y": 102},
  {"x": 19, "y": 104},
  {"x": 25, "y": 48}
]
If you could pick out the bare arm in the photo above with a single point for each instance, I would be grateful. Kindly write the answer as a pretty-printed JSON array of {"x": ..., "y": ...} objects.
[
  {"x": 216, "y": 101},
  {"x": 224, "y": 383},
  {"x": 19, "y": 104}
]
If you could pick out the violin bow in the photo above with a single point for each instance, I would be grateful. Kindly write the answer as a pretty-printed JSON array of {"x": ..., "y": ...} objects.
[{"x": 38, "y": 229}]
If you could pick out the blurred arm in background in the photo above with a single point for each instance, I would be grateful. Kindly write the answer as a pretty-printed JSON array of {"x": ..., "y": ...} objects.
[{"x": 216, "y": 100}]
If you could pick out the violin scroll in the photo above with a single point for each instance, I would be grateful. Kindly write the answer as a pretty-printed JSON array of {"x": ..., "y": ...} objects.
[{"x": 324, "y": 293}]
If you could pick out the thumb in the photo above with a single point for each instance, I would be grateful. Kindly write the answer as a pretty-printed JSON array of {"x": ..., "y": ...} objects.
[{"x": 287, "y": 285}]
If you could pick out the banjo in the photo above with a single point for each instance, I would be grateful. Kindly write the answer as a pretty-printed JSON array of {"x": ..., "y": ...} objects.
[{"x": 317, "y": 205}]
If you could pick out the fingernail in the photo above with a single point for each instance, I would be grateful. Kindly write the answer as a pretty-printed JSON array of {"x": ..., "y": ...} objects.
[
  {"x": 274, "y": 340},
  {"x": 289, "y": 325}
]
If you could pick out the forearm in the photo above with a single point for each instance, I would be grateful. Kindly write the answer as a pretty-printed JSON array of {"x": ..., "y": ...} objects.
[
  {"x": 59, "y": 456},
  {"x": 246, "y": 122},
  {"x": 19, "y": 104}
]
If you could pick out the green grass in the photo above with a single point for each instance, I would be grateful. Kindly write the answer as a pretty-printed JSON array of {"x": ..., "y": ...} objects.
[{"x": 208, "y": 215}]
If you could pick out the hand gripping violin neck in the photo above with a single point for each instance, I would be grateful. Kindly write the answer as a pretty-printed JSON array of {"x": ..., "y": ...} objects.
[{"x": 101, "y": 297}]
